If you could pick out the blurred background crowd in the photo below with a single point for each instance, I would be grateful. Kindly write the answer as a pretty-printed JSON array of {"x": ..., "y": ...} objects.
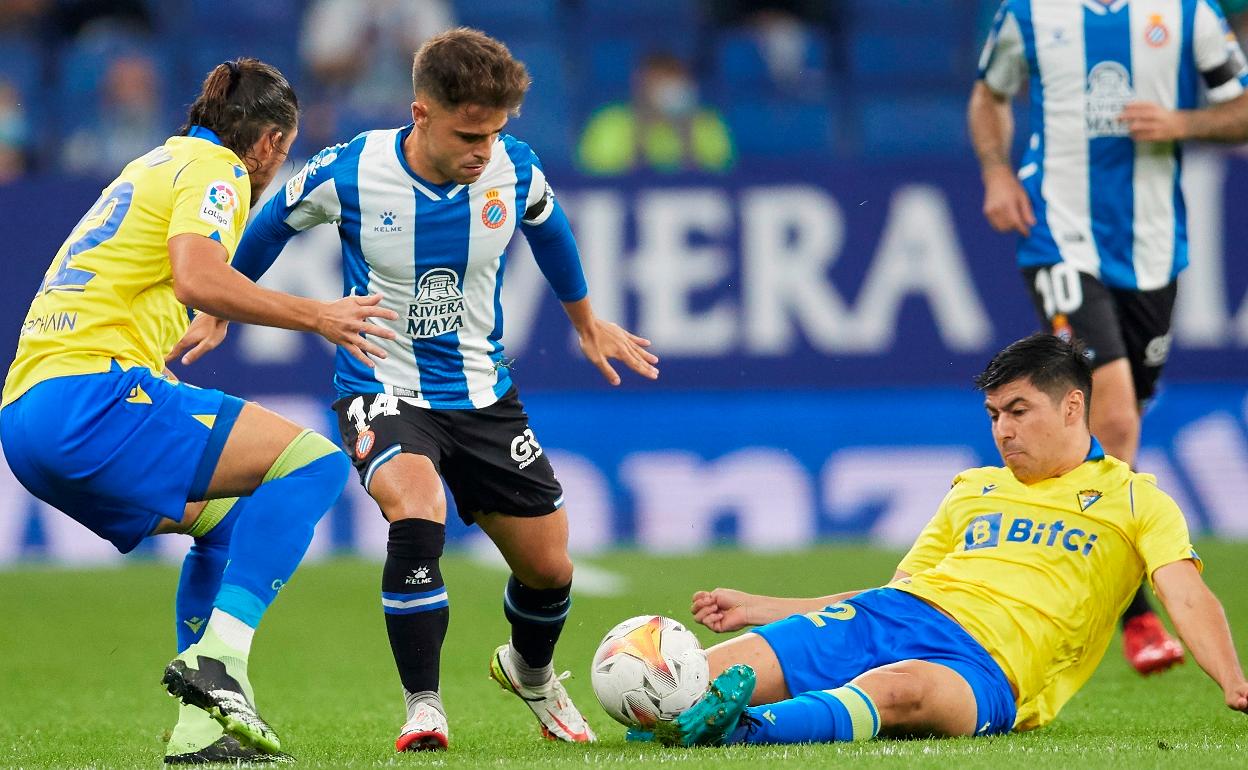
[
  {"x": 780, "y": 193},
  {"x": 87, "y": 85}
]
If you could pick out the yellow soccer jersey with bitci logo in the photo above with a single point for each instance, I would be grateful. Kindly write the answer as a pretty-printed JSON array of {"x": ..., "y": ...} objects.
[
  {"x": 108, "y": 294},
  {"x": 1040, "y": 574}
]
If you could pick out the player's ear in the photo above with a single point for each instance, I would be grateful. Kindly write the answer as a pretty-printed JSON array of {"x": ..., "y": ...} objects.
[
  {"x": 420, "y": 114},
  {"x": 1075, "y": 406}
]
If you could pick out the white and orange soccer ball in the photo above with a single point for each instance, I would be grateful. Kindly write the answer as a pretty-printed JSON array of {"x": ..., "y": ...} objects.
[{"x": 648, "y": 669}]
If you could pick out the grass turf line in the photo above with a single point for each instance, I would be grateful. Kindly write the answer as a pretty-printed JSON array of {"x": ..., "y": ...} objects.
[{"x": 81, "y": 653}]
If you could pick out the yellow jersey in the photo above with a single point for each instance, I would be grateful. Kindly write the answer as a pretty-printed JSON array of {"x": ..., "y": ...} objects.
[
  {"x": 1040, "y": 574},
  {"x": 108, "y": 294}
]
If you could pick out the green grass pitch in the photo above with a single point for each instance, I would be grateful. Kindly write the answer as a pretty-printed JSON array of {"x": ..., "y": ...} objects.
[{"x": 81, "y": 653}]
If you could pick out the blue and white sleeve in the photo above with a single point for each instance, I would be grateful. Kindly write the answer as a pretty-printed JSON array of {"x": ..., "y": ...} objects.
[
  {"x": 1218, "y": 56},
  {"x": 1003, "y": 62},
  {"x": 549, "y": 234},
  {"x": 309, "y": 198}
]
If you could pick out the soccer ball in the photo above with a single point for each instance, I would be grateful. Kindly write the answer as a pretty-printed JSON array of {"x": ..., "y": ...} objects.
[{"x": 648, "y": 669}]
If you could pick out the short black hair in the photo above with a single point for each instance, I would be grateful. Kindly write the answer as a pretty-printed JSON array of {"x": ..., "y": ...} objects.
[{"x": 1052, "y": 364}]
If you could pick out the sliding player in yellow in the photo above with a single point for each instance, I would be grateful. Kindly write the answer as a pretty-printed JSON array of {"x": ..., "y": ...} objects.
[
  {"x": 93, "y": 425},
  {"x": 1001, "y": 610}
]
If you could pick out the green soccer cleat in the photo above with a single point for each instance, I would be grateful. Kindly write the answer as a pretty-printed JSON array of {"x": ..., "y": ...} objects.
[
  {"x": 211, "y": 687},
  {"x": 226, "y": 749},
  {"x": 710, "y": 721}
]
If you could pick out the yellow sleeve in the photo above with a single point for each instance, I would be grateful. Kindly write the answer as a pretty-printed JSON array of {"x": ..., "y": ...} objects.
[
  {"x": 934, "y": 543},
  {"x": 1162, "y": 537},
  {"x": 210, "y": 200}
]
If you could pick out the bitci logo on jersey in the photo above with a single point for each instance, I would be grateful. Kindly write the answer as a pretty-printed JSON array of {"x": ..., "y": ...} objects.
[{"x": 494, "y": 213}]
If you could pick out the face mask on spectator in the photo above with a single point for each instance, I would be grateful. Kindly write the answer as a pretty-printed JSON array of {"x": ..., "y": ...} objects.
[{"x": 675, "y": 98}]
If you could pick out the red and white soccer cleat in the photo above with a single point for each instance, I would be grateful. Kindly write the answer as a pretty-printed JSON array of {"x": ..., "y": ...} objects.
[
  {"x": 1149, "y": 648},
  {"x": 558, "y": 716},
  {"x": 425, "y": 730}
]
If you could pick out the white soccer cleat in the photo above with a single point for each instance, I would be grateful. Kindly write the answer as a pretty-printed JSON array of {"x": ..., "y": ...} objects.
[
  {"x": 555, "y": 712},
  {"x": 425, "y": 730}
]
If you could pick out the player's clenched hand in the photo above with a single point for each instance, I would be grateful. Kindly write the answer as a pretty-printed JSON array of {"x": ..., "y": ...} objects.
[
  {"x": 204, "y": 334},
  {"x": 722, "y": 610},
  {"x": 346, "y": 322},
  {"x": 1006, "y": 205},
  {"x": 1149, "y": 122},
  {"x": 1237, "y": 696},
  {"x": 602, "y": 340}
]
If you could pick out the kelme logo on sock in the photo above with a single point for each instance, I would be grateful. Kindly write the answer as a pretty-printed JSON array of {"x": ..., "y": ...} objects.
[{"x": 419, "y": 576}]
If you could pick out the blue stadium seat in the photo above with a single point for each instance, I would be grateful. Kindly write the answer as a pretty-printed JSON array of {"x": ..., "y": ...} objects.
[
  {"x": 545, "y": 120},
  {"x": 514, "y": 20},
  {"x": 931, "y": 16},
  {"x": 21, "y": 63},
  {"x": 655, "y": 15},
  {"x": 82, "y": 65},
  {"x": 740, "y": 70},
  {"x": 879, "y": 59},
  {"x": 913, "y": 125},
  {"x": 771, "y": 129},
  {"x": 246, "y": 16},
  {"x": 204, "y": 54}
]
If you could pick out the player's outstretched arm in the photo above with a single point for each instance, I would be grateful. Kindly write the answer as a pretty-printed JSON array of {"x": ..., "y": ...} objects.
[
  {"x": 1201, "y": 622},
  {"x": 1006, "y": 205},
  {"x": 727, "y": 609},
  {"x": 202, "y": 280},
  {"x": 602, "y": 340}
]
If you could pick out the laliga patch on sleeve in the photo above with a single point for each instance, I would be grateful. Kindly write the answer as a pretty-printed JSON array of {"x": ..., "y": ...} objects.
[
  {"x": 219, "y": 203},
  {"x": 294, "y": 187}
]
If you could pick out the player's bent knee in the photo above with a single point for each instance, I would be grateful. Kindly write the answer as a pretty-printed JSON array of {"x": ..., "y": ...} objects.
[
  {"x": 899, "y": 696},
  {"x": 551, "y": 572},
  {"x": 311, "y": 455}
]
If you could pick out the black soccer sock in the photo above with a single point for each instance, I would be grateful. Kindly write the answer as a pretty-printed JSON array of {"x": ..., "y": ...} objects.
[
  {"x": 1138, "y": 606},
  {"x": 536, "y": 617},
  {"x": 414, "y": 599}
]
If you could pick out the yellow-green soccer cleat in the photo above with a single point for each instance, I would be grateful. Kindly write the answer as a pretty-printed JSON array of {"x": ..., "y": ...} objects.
[
  {"x": 710, "y": 721},
  {"x": 555, "y": 712},
  {"x": 210, "y": 686}
]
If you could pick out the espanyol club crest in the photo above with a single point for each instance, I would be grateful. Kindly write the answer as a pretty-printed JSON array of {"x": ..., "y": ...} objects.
[
  {"x": 494, "y": 213},
  {"x": 1156, "y": 34},
  {"x": 364, "y": 444}
]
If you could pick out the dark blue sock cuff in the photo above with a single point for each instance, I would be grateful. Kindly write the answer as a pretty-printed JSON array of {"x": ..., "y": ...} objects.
[
  {"x": 546, "y": 606},
  {"x": 416, "y": 539}
]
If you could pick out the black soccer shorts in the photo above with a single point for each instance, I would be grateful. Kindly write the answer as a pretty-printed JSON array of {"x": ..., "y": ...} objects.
[
  {"x": 1111, "y": 323},
  {"x": 489, "y": 457}
]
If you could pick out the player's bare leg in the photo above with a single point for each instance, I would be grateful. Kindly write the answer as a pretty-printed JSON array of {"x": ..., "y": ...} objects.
[
  {"x": 920, "y": 698},
  {"x": 292, "y": 476},
  {"x": 536, "y": 602},
  {"x": 410, "y": 494},
  {"x": 1115, "y": 419},
  {"x": 754, "y": 651},
  {"x": 1115, "y": 411}
]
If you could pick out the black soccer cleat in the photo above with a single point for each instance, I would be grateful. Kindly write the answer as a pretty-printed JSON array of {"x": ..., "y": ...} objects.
[
  {"x": 226, "y": 749},
  {"x": 211, "y": 688}
]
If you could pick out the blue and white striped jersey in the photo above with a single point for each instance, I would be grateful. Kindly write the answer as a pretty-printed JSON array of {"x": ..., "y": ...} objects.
[
  {"x": 435, "y": 253},
  {"x": 1105, "y": 204}
]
